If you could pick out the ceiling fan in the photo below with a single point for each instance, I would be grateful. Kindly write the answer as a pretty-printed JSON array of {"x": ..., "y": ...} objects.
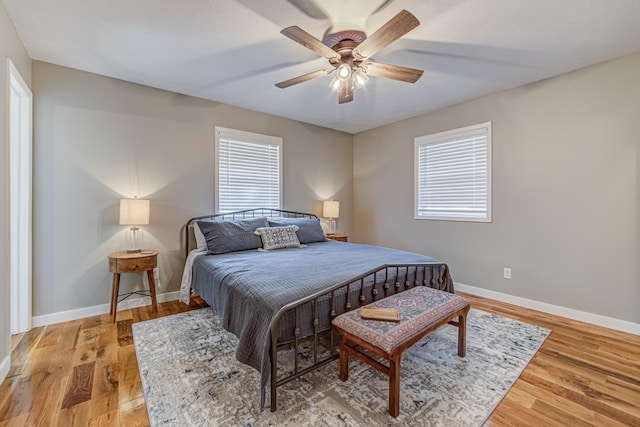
[{"x": 350, "y": 52}]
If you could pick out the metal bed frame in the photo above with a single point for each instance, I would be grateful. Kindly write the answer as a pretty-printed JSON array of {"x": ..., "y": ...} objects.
[{"x": 310, "y": 322}]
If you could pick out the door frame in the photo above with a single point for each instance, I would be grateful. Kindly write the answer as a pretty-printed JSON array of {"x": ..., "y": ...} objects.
[{"x": 20, "y": 136}]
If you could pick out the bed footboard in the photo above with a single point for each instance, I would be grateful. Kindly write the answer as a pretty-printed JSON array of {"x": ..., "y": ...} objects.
[{"x": 309, "y": 319}]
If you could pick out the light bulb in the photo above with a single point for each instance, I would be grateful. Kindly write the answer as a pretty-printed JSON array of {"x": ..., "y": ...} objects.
[
  {"x": 360, "y": 77},
  {"x": 344, "y": 71},
  {"x": 335, "y": 84}
]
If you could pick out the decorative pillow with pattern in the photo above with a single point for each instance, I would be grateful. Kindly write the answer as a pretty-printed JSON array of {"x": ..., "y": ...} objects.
[{"x": 279, "y": 237}]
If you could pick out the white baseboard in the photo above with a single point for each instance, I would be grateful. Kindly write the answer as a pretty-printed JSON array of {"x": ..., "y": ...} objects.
[
  {"x": 4, "y": 367},
  {"x": 583, "y": 316},
  {"x": 65, "y": 316}
]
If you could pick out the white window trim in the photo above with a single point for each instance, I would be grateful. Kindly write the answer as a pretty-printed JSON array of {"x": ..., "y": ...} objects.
[
  {"x": 265, "y": 139},
  {"x": 441, "y": 136}
]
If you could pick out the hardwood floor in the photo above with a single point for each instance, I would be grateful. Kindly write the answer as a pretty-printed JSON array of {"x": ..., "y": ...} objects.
[{"x": 84, "y": 373}]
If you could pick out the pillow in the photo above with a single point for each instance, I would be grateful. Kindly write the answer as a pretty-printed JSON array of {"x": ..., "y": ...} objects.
[
  {"x": 310, "y": 230},
  {"x": 231, "y": 236},
  {"x": 279, "y": 237},
  {"x": 201, "y": 241}
]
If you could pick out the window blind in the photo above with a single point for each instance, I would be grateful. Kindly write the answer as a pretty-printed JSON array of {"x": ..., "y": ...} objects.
[
  {"x": 454, "y": 174},
  {"x": 248, "y": 170}
]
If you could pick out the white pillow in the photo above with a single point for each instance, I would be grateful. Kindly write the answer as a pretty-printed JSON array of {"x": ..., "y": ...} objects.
[
  {"x": 279, "y": 237},
  {"x": 201, "y": 242}
]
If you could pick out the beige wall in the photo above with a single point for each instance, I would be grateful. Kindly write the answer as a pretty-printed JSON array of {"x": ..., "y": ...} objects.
[
  {"x": 566, "y": 210},
  {"x": 10, "y": 48},
  {"x": 99, "y": 139}
]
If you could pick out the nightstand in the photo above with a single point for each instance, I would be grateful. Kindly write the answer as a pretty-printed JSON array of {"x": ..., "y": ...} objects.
[
  {"x": 338, "y": 236},
  {"x": 124, "y": 262}
]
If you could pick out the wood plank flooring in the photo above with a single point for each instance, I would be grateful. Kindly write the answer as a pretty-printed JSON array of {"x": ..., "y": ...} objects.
[{"x": 84, "y": 373}]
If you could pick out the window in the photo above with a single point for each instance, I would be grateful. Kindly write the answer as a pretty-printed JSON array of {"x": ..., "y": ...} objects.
[
  {"x": 248, "y": 170},
  {"x": 453, "y": 174}
]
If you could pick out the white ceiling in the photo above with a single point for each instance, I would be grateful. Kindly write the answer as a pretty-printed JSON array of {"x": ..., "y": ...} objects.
[{"x": 231, "y": 51}]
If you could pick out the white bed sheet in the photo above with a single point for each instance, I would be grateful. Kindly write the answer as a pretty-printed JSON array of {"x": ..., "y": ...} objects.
[{"x": 185, "y": 286}]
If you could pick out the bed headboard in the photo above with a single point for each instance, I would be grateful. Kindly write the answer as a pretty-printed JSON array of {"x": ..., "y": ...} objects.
[{"x": 190, "y": 241}]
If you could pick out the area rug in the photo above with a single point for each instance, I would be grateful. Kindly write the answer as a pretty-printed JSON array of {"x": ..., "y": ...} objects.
[{"x": 191, "y": 378}]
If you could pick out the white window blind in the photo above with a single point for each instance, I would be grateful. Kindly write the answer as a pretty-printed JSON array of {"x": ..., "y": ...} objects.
[
  {"x": 248, "y": 170},
  {"x": 453, "y": 174}
]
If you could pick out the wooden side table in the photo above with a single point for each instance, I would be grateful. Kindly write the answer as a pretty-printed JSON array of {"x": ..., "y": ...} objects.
[
  {"x": 124, "y": 262},
  {"x": 338, "y": 236}
]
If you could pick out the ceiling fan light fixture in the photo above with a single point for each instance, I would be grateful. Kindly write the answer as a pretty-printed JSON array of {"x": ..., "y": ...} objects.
[
  {"x": 349, "y": 52},
  {"x": 343, "y": 71},
  {"x": 360, "y": 77},
  {"x": 335, "y": 83}
]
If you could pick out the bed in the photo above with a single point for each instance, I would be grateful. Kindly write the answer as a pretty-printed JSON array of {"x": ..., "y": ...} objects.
[{"x": 283, "y": 300}]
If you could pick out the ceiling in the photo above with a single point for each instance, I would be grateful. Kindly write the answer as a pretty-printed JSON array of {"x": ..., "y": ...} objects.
[{"x": 231, "y": 51}]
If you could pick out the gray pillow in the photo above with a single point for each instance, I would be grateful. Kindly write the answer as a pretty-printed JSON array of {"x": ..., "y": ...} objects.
[
  {"x": 231, "y": 236},
  {"x": 310, "y": 230}
]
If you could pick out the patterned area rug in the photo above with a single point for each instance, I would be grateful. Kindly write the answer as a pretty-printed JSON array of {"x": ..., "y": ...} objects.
[{"x": 191, "y": 378}]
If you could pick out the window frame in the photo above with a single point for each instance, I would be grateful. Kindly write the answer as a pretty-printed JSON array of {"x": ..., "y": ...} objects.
[
  {"x": 451, "y": 135},
  {"x": 248, "y": 137}
]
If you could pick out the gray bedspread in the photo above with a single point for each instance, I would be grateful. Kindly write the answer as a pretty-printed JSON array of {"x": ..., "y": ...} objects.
[{"x": 246, "y": 289}]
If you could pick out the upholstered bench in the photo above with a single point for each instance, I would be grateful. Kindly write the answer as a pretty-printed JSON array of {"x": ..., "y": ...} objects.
[{"x": 422, "y": 310}]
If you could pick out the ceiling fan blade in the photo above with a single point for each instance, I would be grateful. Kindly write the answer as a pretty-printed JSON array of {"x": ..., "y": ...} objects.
[
  {"x": 395, "y": 72},
  {"x": 299, "y": 35},
  {"x": 395, "y": 28},
  {"x": 346, "y": 91},
  {"x": 304, "y": 78}
]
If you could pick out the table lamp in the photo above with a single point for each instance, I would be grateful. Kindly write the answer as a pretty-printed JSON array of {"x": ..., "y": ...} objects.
[
  {"x": 331, "y": 210},
  {"x": 134, "y": 212}
]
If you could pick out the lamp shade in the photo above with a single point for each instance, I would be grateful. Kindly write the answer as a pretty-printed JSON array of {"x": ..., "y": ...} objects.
[
  {"x": 331, "y": 209},
  {"x": 134, "y": 212}
]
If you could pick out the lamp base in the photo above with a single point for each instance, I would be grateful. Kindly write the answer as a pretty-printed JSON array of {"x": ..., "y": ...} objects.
[
  {"x": 134, "y": 241},
  {"x": 331, "y": 226}
]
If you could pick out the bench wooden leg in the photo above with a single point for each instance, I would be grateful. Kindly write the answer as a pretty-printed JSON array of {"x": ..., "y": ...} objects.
[
  {"x": 462, "y": 334},
  {"x": 394, "y": 385},
  {"x": 344, "y": 359}
]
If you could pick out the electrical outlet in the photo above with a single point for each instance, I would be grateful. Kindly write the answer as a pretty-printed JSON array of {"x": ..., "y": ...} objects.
[{"x": 506, "y": 273}]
